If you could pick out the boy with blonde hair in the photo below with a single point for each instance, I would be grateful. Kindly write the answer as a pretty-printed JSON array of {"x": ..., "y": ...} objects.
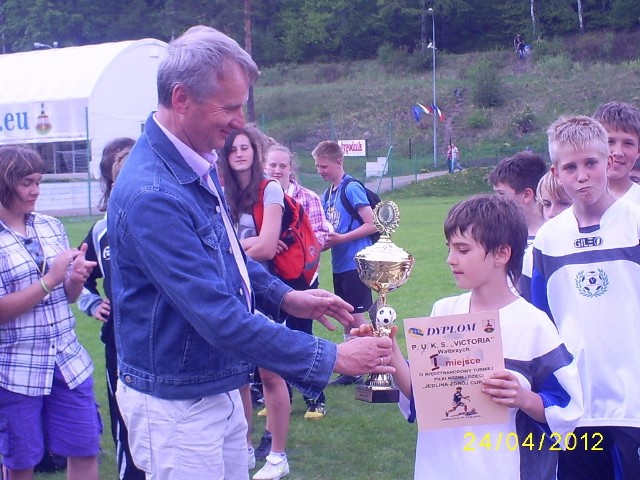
[
  {"x": 551, "y": 196},
  {"x": 622, "y": 122},
  {"x": 586, "y": 274}
]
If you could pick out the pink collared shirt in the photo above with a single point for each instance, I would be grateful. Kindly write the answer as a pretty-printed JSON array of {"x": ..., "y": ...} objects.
[{"x": 313, "y": 207}]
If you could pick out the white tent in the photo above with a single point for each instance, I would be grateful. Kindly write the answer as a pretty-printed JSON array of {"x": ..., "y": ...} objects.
[{"x": 58, "y": 98}]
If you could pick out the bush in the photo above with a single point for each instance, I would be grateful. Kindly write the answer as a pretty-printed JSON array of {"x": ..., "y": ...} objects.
[
  {"x": 400, "y": 60},
  {"x": 544, "y": 47},
  {"x": 523, "y": 120},
  {"x": 488, "y": 88},
  {"x": 592, "y": 47},
  {"x": 390, "y": 57},
  {"x": 479, "y": 119},
  {"x": 275, "y": 75},
  {"x": 555, "y": 65},
  {"x": 331, "y": 72}
]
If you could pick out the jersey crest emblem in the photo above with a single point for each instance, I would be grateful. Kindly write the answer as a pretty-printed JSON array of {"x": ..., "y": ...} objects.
[{"x": 592, "y": 284}]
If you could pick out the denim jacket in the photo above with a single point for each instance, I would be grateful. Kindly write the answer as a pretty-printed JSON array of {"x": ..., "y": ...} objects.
[{"x": 183, "y": 328}]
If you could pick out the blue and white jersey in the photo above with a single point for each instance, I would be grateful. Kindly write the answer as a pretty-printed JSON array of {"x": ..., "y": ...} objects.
[
  {"x": 535, "y": 354},
  {"x": 524, "y": 283},
  {"x": 587, "y": 279}
]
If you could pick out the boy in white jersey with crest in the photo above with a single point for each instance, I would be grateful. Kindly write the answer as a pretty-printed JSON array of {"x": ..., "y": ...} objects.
[{"x": 586, "y": 275}]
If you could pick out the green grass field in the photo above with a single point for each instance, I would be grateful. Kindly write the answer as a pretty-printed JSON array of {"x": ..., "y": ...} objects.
[{"x": 356, "y": 440}]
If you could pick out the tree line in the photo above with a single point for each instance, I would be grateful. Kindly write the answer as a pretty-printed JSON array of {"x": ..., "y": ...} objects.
[{"x": 282, "y": 31}]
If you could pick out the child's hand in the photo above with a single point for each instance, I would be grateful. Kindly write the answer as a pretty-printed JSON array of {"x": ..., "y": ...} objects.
[
  {"x": 81, "y": 267},
  {"x": 281, "y": 247},
  {"x": 103, "y": 310},
  {"x": 59, "y": 267},
  {"x": 504, "y": 389},
  {"x": 393, "y": 335},
  {"x": 364, "y": 330}
]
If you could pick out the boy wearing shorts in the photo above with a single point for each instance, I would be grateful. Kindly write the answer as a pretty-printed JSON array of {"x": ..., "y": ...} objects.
[{"x": 348, "y": 237}]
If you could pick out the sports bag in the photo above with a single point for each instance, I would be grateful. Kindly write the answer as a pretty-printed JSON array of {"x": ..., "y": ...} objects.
[
  {"x": 372, "y": 197},
  {"x": 297, "y": 265}
]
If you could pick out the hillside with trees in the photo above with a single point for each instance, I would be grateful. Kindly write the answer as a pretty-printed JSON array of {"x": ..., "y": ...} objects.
[
  {"x": 354, "y": 68},
  {"x": 312, "y": 30},
  {"x": 493, "y": 104}
]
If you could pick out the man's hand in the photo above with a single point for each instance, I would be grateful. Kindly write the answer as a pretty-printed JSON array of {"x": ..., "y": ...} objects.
[
  {"x": 364, "y": 355},
  {"x": 318, "y": 304}
]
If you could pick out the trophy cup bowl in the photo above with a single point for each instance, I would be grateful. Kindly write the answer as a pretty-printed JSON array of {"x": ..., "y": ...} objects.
[{"x": 383, "y": 267}]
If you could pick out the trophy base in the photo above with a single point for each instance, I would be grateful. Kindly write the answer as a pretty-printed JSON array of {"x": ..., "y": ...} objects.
[{"x": 371, "y": 395}]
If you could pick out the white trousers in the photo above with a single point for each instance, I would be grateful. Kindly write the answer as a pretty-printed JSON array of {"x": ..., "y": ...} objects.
[{"x": 204, "y": 438}]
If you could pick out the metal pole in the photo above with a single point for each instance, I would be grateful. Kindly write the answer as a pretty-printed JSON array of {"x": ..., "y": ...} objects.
[
  {"x": 433, "y": 64},
  {"x": 386, "y": 163},
  {"x": 86, "y": 121}
]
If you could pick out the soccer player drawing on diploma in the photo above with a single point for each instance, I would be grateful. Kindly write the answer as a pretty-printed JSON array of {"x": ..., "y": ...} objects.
[{"x": 457, "y": 402}]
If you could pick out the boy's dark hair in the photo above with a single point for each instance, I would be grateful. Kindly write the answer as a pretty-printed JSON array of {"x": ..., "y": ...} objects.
[
  {"x": 520, "y": 171},
  {"x": 493, "y": 221},
  {"x": 620, "y": 116},
  {"x": 109, "y": 153},
  {"x": 16, "y": 162}
]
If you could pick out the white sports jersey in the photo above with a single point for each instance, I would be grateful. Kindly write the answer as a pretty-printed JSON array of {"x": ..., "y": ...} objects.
[
  {"x": 587, "y": 280},
  {"x": 524, "y": 283},
  {"x": 633, "y": 194},
  {"x": 534, "y": 353}
]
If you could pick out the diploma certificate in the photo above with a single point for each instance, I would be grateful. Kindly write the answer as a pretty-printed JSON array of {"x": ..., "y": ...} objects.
[{"x": 449, "y": 356}]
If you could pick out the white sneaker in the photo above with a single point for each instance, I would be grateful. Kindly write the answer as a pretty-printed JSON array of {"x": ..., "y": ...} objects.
[
  {"x": 274, "y": 469},
  {"x": 252, "y": 458}
]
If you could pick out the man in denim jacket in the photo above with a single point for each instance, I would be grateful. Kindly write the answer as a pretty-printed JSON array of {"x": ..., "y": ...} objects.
[{"x": 184, "y": 295}]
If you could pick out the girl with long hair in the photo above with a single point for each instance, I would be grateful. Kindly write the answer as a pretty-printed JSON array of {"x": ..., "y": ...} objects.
[{"x": 241, "y": 170}]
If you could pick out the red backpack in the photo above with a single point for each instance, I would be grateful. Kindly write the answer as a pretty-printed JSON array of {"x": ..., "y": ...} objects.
[{"x": 297, "y": 265}]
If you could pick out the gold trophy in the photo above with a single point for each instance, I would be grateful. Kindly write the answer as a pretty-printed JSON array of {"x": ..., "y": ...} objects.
[{"x": 383, "y": 267}]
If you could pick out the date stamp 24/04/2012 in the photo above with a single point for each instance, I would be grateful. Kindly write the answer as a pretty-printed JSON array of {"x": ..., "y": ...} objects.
[{"x": 552, "y": 442}]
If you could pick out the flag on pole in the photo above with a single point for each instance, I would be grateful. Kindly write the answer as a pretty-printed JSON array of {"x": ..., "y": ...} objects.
[
  {"x": 419, "y": 109},
  {"x": 438, "y": 111}
]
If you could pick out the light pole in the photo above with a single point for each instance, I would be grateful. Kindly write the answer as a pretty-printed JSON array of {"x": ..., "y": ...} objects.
[{"x": 433, "y": 66}]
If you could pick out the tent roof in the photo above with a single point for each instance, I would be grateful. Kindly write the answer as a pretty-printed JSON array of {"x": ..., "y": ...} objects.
[{"x": 59, "y": 73}]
